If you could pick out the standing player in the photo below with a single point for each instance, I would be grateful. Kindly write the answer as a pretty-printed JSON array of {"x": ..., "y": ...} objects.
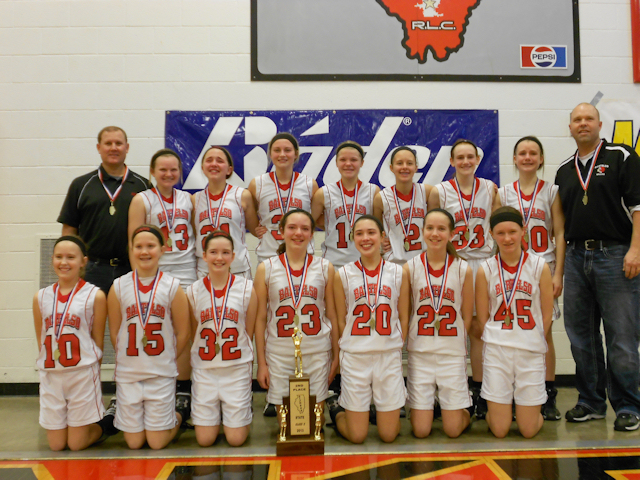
[
  {"x": 470, "y": 201},
  {"x": 441, "y": 311},
  {"x": 539, "y": 204},
  {"x": 276, "y": 193},
  {"x": 342, "y": 203},
  {"x": 149, "y": 325},
  {"x": 69, "y": 318},
  {"x": 372, "y": 300},
  {"x": 171, "y": 210},
  {"x": 514, "y": 303},
  {"x": 223, "y": 309},
  {"x": 295, "y": 289},
  {"x": 225, "y": 207},
  {"x": 402, "y": 207}
]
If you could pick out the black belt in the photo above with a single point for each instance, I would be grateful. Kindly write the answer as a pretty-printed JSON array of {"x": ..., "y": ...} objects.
[
  {"x": 596, "y": 244},
  {"x": 113, "y": 262}
]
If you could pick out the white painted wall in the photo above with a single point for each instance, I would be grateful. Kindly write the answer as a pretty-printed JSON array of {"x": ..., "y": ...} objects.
[{"x": 68, "y": 68}]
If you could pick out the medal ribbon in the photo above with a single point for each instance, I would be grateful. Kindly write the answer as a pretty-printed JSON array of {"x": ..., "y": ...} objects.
[
  {"x": 354, "y": 205},
  {"x": 216, "y": 222},
  {"x": 378, "y": 286},
  {"x": 284, "y": 206},
  {"x": 520, "y": 204},
  {"x": 115, "y": 195},
  {"x": 467, "y": 218},
  {"x": 144, "y": 316},
  {"x": 585, "y": 183},
  {"x": 58, "y": 327},
  {"x": 507, "y": 299},
  {"x": 405, "y": 230},
  {"x": 168, "y": 220},
  {"x": 218, "y": 320},
  {"x": 436, "y": 303},
  {"x": 296, "y": 298}
]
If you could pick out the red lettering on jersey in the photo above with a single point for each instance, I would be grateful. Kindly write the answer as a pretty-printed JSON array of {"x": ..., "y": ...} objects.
[
  {"x": 449, "y": 294},
  {"x": 536, "y": 213},
  {"x": 72, "y": 321},
  {"x": 476, "y": 212},
  {"x": 522, "y": 286},
  {"x": 307, "y": 291},
  {"x": 358, "y": 293},
  {"x": 156, "y": 310},
  {"x": 417, "y": 213},
  {"x": 339, "y": 212}
]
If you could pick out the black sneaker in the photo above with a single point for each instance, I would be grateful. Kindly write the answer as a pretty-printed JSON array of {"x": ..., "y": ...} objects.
[
  {"x": 437, "y": 410},
  {"x": 334, "y": 407},
  {"x": 183, "y": 406},
  {"x": 403, "y": 412},
  {"x": 269, "y": 410},
  {"x": 106, "y": 423},
  {"x": 373, "y": 418},
  {"x": 549, "y": 410},
  {"x": 626, "y": 422},
  {"x": 580, "y": 413},
  {"x": 480, "y": 404}
]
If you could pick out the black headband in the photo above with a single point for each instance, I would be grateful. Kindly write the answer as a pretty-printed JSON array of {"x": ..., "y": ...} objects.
[
  {"x": 505, "y": 217},
  {"x": 74, "y": 239},
  {"x": 149, "y": 229},
  {"x": 355, "y": 146}
]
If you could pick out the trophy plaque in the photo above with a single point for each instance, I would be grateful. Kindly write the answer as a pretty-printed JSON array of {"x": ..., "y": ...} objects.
[{"x": 300, "y": 416}]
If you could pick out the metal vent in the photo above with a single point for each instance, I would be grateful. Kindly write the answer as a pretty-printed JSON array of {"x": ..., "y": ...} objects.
[{"x": 48, "y": 277}]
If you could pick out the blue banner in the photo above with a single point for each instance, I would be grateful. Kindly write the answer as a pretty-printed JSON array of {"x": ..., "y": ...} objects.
[{"x": 246, "y": 135}]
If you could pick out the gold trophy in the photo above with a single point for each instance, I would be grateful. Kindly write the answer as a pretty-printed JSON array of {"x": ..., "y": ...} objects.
[{"x": 296, "y": 436}]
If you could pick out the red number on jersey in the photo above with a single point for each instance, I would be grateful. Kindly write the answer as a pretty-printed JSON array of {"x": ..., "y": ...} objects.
[
  {"x": 285, "y": 314},
  {"x": 155, "y": 342},
  {"x": 230, "y": 350},
  {"x": 363, "y": 316},
  {"x": 414, "y": 238},
  {"x": 524, "y": 316},
  {"x": 275, "y": 220},
  {"x": 69, "y": 346},
  {"x": 342, "y": 235},
  {"x": 315, "y": 325},
  {"x": 461, "y": 242},
  {"x": 447, "y": 319},
  {"x": 179, "y": 230},
  {"x": 207, "y": 229},
  {"x": 501, "y": 316},
  {"x": 539, "y": 239},
  {"x": 208, "y": 352}
]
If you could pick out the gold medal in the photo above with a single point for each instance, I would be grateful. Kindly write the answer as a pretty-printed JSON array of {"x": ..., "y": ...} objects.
[
  {"x": 296, "y": 319},
  {"x": 437, "y": 324},
  {"x": 507, "y": 320},
  {"x": 467, "y": 235},
  {"x": 407, "y": 246},
  {"x": 144, "y": 341},
  {"x": 351, "y": 235},
  {"x": 112, "y": 210},
  {"x": 526, "y": 237},
  {"x": 169, "y": 242},
  {"x": 56, "y": 354},
  {"x": 585, "y": 199},
  {"x": 217, "y": 349},
  {"x": 372, "y": 323}
]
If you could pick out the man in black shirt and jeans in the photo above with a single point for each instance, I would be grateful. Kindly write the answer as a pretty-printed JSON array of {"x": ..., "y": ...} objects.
[
  {"x": 600, "y": 195},
  {"x": 97, "y": 209}
]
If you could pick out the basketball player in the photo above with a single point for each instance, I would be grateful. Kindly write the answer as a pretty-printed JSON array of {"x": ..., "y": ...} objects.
[
  {"x": 277, "y": 192},
  {"x": 223, "y": 309},
  {"x": 295, "y": 289},
  {"x": 339, "y": 205},
  {"x": 69, "y": 318},
  {"x": 441, "y": 311},
  {"x": 539, "y": 204},
  {"x": 514, "y": 303},
  {"x": 149, "y": 325},
  {"x": 470, "y": 201},
  {"x": 372, "y": 299},
  {"x": 402, "y": 207},
  {"x": 226, "y": 207}
]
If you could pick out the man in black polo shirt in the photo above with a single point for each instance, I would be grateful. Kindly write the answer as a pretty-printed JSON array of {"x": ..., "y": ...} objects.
[
  {"x": 97, "y": 209},
  {"x": 600, "y": 195}
]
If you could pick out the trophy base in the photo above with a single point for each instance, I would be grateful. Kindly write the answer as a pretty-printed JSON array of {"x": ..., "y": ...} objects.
[{"x": 300, "y": 446}]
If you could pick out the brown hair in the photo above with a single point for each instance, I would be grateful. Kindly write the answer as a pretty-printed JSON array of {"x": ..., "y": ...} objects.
[
  {"x": 165, "y": 152},
  {"x": 350, "y": 144},
  {"x": 284, "y": 136},
  {"x": 530, "y": 138},
  {"x": 79, "y": 242},
  {"x": 451, "y": 249},
  {"x": 218, "y": 234},
  {"x": 283, "y": 223},
  {"x": 462, "y": 141},
  {"x": 112, "y": 128},
  {"x": 403, "y": 148}
]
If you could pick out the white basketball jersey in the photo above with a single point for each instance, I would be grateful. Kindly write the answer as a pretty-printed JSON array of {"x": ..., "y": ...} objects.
[
  {"x": 337, "y": 246},
  {"x": 540, "y": 226},
  {"x": 480, "y": 243},
  {"x": 393, "y": 220},
  {"x": 366, "y": 331},
  {"x": 231, "y": 220},
  {"x": 526, "y": 329},
  {"x": 314, "y": 325},
  {"x": 182, "y": 251},
  {"x": 270, "y": 212},
  {"x": 77, "y": 348},
  {"x": 442, "y": 333},
  {"x": 234, "y": 345},
  {"x": 134, "y": 361}
]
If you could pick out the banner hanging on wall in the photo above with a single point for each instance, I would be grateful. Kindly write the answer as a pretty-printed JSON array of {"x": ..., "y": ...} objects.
[
  {"x": 469, "y": 40},
  {"x": 621, "y": 122},
  {"x": 246, "y": 135}
]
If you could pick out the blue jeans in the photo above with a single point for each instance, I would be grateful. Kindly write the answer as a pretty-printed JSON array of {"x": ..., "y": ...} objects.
[
  {"x": 102, "y": 275},
  {"x": 595, "y": 291}
]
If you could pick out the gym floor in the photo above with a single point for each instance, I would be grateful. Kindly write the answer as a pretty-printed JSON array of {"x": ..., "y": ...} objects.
[{"x": 561, "y": 450}]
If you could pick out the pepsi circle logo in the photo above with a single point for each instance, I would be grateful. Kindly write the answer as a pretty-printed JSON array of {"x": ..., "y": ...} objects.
[{"x": 543, "y": 56}]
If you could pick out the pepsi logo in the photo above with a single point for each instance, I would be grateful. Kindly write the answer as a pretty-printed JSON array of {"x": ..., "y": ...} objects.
[{"x": 543, "y": 56}]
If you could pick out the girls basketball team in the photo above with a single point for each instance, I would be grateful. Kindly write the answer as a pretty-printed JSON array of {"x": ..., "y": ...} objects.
[{"x": 178, "y": 316}]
